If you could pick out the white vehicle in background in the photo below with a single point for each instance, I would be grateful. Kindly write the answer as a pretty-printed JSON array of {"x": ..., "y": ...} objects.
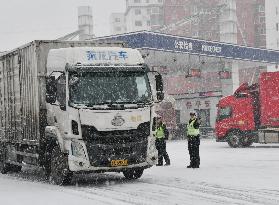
[{"x": 73, "y": 107}]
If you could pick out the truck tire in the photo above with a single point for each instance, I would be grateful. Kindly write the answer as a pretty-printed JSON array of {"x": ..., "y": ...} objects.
[
  {"x": 246, "y": 142},
  {"x": 133, "y": 173},
  {"x": 234, "y": 139},
  {"x": 59, "y": 169},
  {"x": 15, "y": 168}
]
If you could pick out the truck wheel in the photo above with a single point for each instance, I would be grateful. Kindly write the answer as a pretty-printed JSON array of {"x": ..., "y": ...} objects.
[
  {"x": 15, "y": 168},
  {"x": 246, "y": 142},
  {"x": 234, "y": 139},
  {"x": 59, "y": 170},
  {"x": 133, "y": 173},
  {"x": 4, "y": 167}
]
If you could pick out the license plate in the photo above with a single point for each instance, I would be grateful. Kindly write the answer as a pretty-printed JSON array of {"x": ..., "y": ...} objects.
[{"x": 121, "y": 162}]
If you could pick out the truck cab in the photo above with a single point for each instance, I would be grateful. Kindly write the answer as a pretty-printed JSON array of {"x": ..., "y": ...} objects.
[
  {"x": 238, "y": 117},
  {"x": 100, "y": 110}
]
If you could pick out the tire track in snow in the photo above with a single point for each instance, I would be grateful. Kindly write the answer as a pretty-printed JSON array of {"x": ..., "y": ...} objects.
[
  {"x": 114, "y": 189},
  {"x": 230, "y": 195}
]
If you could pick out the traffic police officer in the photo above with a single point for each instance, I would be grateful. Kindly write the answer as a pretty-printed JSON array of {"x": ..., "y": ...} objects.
[
  {"x": 161, "y": 135},
  {"x": 193, "y": 135}
]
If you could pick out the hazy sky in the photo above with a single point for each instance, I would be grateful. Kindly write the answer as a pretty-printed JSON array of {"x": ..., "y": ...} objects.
[{"x": 22, "y": 21}]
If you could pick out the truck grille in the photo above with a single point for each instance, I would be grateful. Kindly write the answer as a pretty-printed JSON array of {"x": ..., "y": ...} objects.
[{"x": 104, "y": 146}]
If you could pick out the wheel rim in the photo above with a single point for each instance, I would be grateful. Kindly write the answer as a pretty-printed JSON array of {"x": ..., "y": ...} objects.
[{"x": 235, "y": 140}]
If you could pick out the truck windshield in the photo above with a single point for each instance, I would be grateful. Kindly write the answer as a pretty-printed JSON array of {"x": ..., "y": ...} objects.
[
  {"x": 224, "y": 113},
  {"x": 99, "y": 88}
]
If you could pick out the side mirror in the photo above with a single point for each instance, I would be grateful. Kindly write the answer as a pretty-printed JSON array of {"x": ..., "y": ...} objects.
[
  {"x": 159, "y": 83},
  {"x": 159, "y": 87},
  {"x": 51, "y": 85},
  {"x": 160, "y": 96},
  {"x": 51, "y": 89},
  {"x": 50, "y": 99}
]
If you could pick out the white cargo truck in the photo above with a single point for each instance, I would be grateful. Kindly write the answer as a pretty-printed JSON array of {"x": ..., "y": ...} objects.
[{"x": 77, "y": 107}]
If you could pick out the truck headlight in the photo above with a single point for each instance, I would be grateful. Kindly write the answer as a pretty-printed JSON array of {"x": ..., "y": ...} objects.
[{"x": 77, "y": 150}]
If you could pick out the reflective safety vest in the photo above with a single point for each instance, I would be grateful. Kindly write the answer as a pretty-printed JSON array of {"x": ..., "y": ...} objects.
[
  {"x": 160, "y": 133},
  {"x": 191, "y": 131}
]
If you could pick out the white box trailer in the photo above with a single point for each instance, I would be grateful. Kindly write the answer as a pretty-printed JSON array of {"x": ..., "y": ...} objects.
[
  {"x": 23, "y": 73},
  {"x": 37, "y": 129}
]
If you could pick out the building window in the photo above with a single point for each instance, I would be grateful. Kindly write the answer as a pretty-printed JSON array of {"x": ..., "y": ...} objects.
[
  {"x": 147, "y": 1},
  {"x": 277, "y": 26},
  {"x": 137, "y": 1},
  {"x": 195, "y": 34},
  {"x": 138, "y": 23},
  {"x": 277, "y": 12},
  {"x": 160, "y": 1},
  {"x": 137, "y": 11},
  {"x": 117, "y": 20},
  {"x": 118, "y": 28},
  {"x": 261, "y": 19},
  {"x": 155, "y": 10},
  {"x": 148, "y": 11},
  {"x": 148, "y": 23},
  {"x": 277, "y": 43},
  {"x": 261, "y": 8},
  {"x": 262, "y": 31}
]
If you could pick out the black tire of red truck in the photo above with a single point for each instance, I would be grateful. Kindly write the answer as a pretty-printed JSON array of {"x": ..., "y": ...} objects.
[{"x": 131, "y": 174}]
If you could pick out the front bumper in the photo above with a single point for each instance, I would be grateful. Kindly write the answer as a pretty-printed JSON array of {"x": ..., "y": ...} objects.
[
  {"x": 83, "y": 165},
  {"x": 98, "y": 148}
]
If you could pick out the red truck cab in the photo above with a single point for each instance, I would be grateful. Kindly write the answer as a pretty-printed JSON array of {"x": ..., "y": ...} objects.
[
  {"x": 238, "y": 117},
  {"x": 251, "y": 114}
]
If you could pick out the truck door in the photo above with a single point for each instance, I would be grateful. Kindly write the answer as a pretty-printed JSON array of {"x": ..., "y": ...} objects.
[{"x": 60, "y": 114}]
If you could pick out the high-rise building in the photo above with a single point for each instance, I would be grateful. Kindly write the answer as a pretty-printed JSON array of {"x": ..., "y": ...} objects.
[
  {"x": 85, "y": 22},
  {"x": 218, "y": 19},
  {"x": 140, "y": 15},
  {"x": 272, "y": 27},
  {"x": 117, "y": 23},
  {"x": 201, "y": 18}
]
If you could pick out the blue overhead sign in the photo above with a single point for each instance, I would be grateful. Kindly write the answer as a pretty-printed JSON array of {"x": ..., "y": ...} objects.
[{"x": 170, "y": 43}]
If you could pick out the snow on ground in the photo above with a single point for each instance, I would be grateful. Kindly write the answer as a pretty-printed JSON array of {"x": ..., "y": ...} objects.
[{"x": 227, "y": 176}]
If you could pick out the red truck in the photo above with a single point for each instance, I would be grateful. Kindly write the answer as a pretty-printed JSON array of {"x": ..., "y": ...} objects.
[{"x": 251, "y": 114}]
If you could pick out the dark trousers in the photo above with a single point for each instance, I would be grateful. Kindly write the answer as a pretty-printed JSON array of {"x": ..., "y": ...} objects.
[
  {"x": 193, "y": 147},
  {"x": 162, "y": 152}
]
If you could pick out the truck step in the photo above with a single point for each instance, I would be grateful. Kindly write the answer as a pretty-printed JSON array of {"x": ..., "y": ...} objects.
[
  {"x": 27, "y": 154},
  {"x": 21, "y": 164},
  {"x": 268, "y": 136}
]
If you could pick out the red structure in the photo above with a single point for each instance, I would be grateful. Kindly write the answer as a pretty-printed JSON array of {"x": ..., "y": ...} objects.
[
  {"x": 251, "y": 114},
  {"x": 205, "y": 27},
  {"x": 250, "y": 17}
]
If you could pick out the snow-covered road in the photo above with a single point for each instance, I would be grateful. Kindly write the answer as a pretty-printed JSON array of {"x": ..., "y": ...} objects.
[{"x": 227, "y": 176}]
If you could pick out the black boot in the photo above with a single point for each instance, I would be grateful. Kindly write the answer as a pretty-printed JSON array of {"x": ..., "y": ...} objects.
[{"x": 189, "y": 166}]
